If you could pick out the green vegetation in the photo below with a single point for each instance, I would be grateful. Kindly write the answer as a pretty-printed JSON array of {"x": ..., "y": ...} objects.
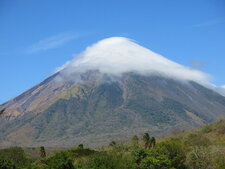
[
  {"x": 149, "y": 142},
  {"x": 42, "y": 152},
  {"x": 14, "y": 157},
  {"x": 200, "y": 149}
]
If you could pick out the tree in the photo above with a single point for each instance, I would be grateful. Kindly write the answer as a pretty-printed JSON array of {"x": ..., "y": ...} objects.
[
  {"x": 135, "y": 141},
  {"x": 81, "y": 146},
  {"x": 153, "y": 142},
  {"x": 149, "y": 142},
  {"x": 146, "y": 139},
  {"x": 112, "y": 144},
  {"x": 42, "y": 152}
]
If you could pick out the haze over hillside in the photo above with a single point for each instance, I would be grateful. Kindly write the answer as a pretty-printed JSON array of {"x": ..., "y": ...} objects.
[{"x": 113, "y": 90}]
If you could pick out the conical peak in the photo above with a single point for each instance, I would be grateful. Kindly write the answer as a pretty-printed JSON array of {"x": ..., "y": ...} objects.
[
  {"x": 113, "y": 41},
  {"x": 118, "y": 55}
]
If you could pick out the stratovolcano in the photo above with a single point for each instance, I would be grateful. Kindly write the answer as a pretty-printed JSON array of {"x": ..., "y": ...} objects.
[{"x": 113, "y": 90}]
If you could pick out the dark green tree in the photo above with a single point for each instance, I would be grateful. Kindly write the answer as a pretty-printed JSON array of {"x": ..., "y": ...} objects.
[
  {"x": 61, "y": 160},
  {"x": 152, "y": 142},
  {"x": 147, "y": 140},
  {"x": 81, "y": 146},
  {"x": 112, "y": 144},
  {"x": 42, "y": 152}
]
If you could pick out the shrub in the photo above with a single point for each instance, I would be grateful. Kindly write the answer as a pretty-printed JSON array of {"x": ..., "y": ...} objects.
[
  {"x": 199, "y": 158},
  {"x": 112, "y": 161},
  {"x": 173, "y": 149},
  {"x": 207, "y": 129},
  {"x": 14, "y": 155},
  {"x": 196, "y": 140},
  {"x": 61, "y": 160},
  {"x": 80, "y": 152},
  {"x": 5, "y": 164},
  {"x": 159, "y": 162},
  {"x": 167, "y": 154},
  {"x": 206, "y": 158},
  {"x": 139, "y": 155}
]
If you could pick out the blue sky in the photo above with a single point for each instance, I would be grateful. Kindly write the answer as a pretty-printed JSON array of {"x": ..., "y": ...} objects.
[{"x": 36, "y": 36}]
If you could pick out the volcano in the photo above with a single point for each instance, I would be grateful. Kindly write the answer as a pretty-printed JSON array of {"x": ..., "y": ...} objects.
[{"x": 113, "y": 90}]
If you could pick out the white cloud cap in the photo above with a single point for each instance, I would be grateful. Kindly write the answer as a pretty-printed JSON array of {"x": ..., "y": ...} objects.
[
  {"x": 221, "y": 90},
  {"x": 118, "y": 55}
]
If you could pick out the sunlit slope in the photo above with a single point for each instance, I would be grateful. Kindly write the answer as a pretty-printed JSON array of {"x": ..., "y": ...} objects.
[{"x": 98, "y": 110}]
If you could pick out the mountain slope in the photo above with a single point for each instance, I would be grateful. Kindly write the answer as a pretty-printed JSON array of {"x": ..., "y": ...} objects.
[
  {"x": 99, "y": 97},
  {"x": 96, "y": 112}
]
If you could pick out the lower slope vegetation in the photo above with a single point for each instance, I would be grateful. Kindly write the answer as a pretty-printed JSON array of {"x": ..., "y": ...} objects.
[{"x": 203, "y": 148}]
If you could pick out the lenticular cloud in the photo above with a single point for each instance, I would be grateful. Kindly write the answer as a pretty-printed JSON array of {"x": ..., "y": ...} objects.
[{"x": 118, "y": 55}]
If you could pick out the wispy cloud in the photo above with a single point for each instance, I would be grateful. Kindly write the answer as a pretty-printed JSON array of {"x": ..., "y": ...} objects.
[
  {"x": 210, "y": 22},
  {"x": 197, "y": 64},
  {"x": 53, "y": 42}
]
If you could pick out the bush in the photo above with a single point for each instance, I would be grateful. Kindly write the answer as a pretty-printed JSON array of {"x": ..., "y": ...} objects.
[
  {"x": 198, "y": 140},
  {"x": 199, "y": 158},
  {"x": 139, "y": 155},
  {"x": 159, "y": 162},
  {"x": 165, "y": 155},
  {"x": 37, "y": 165},
  {"x": 5, "y": 164},
  {"x": 206, "y": 158},
  {"x": 80, "y": 152},
  {"x": 174, "y": 150},
  {"x": 112, "y": 161},
  {"x": 15, "y": 156},
  {"x": 61, "y": 160},
  {"x": 207, "y": 129}
]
